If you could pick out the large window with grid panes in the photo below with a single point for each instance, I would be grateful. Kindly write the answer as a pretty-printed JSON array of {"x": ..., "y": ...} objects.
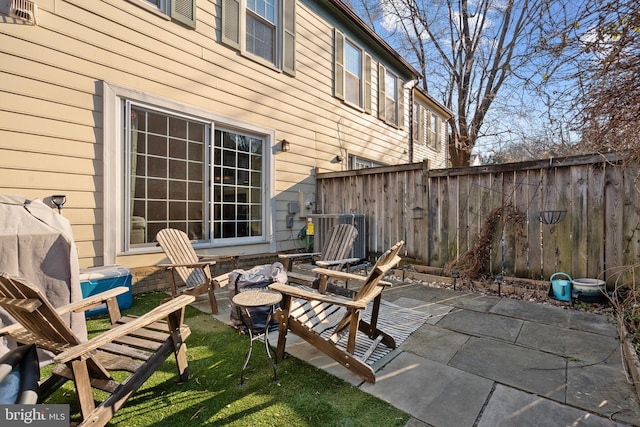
[{"x": 193, "y": 174}]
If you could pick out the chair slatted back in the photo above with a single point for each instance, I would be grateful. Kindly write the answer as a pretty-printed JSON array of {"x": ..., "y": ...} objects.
[
  {"x": 385, "y": 262},
  {"x": 43, "y": 323},
  {"x": 178, "y": 249},
  {"x": 339, "y": 242}
]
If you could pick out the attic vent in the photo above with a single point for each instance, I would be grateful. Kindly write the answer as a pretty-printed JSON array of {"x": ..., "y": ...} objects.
[{"x": 24, "y": 9}]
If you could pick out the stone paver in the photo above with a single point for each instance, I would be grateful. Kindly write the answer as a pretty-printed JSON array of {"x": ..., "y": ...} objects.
[
  {"x": 590, "y": 322},
  {"x": 514, "y": 408},
  {"x": 519, "y": 367},
  {"x": 533, "y": 311},
  {"x": 601, "y": 389},
  {"x": 482, "y": 324},
  {"x": 434, "y": 393},
  {"x": 435, "y": 343},
  {"x": 576, "y": 344},
  {"x": 437, "y": 311}
]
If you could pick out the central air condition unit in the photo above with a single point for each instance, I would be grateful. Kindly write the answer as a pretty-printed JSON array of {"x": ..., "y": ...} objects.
[
  {"x": 322, "y": 224},
  {"x": 24, "y": 9}
]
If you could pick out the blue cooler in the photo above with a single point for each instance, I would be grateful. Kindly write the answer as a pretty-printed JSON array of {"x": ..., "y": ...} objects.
[{"x": 94, "y": 280}]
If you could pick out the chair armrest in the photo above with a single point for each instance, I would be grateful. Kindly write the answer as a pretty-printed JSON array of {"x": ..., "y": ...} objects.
[
  {"x": 341, "y": 275},
  {"x": 189, "y": 265},
  {"x": 300, "y": 255},
  {"x": 158, "y": 313},
  {"x": 221, "y": 280},
  {"x": 78, "y": 306},
  {"x": 92, "y": 300},
  {"x": 296, "y": 292},
  {"x": 325, "y": 263},
  {"x": 10, "y": 329},
  {"x": 229, "y": 257}
]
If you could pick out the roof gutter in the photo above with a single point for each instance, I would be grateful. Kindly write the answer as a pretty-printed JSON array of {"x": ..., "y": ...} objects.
[{"x": 355, "y": 19}]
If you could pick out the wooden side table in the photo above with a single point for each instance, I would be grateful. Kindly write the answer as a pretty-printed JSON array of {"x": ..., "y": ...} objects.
[{"x": 252, "y": 299}]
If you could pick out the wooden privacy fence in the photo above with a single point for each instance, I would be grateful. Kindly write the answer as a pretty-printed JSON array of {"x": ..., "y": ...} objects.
[{"x": 441, "y": 213}]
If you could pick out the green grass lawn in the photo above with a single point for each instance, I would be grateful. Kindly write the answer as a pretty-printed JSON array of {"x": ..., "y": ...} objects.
[{"x": 305, "y": 396}]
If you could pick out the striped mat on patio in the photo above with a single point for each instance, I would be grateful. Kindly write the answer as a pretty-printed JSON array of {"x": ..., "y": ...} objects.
[{"x": 399, "y": 322}]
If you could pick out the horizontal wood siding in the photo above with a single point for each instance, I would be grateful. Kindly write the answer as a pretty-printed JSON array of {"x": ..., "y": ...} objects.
[
  {"x": 441, "y": 213},
  {"x": 51, "y": 118}
]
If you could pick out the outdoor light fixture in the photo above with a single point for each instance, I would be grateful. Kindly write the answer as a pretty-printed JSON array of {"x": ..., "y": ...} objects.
[
  {"x": 499, "y": 279},
  {"x": 59, "y": 200},
  {"x": 285, "y": 146}
]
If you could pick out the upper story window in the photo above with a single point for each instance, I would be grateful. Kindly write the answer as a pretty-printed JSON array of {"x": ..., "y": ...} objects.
[
  {"x": 434, "y": 131},
  {"x": 352, "y": 73},
  {"x": 181, "y": 10},
  {"x": 390, "y": 97},
  {"x": 263, "y": 29},
  {"x": 426, "y": 126},
  {"x": 419, "y": 115}
]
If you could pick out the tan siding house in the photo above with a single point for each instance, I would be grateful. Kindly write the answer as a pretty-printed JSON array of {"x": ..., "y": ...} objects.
[
  {"x": 149, "y": 114},
  {"x": 430, "y": 140}
]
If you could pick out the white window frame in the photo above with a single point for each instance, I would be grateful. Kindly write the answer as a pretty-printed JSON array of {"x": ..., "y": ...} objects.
[
  {"x": 360, "y": 78},
  {"x": 117, "y": 207},
  {"x": 356, "y": 162},
  {"x": 340, "y": 73},
  {"x": 433, "y": 125},
  {"x": 419, "y": 123},
  {"x": 233, "y": 26},
  {"x": 389, "y": 76},
  {"x": 161, "y": 5},
  {"x": 274, "y": 26},
  {"x": 183, "y": 11},
  {"x": 398, "y": 99}
]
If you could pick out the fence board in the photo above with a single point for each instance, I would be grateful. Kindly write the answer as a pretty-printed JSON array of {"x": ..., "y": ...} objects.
[
  {"x": 534, "y": 230},
  {"x": 497, "y": 200},
  {"x": 614, "y": 208},
  {"x": 484, "y": 200},
  {"x": 511, "y": 225},
  {"x": 632, "y": 215},
  {"x": 451, "y": 225},
  {"x": 595, "y": 221},
  {"x": 435, "y": 213},
  {"x": 464, "y": 193},
  {"x": 443, "y": 232},
  {"x": 521, "y": 264},
  {"x": 579, "y": 226},
  {"x": 549, "y": 234},
  {"x": 564, "y": 227}
]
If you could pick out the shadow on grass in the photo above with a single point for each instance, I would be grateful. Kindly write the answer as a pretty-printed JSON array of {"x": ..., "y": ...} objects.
[{"x": 305, "y": 395}]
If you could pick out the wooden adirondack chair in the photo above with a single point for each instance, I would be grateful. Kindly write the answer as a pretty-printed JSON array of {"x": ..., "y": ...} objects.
[
  {"x": 304, "y": 312},
  {"x": 138, "y": 345},
  {"x": 193, "y": 269},
  {"x": 334, "y": 256},
  {"x": 335, "y": 250}
]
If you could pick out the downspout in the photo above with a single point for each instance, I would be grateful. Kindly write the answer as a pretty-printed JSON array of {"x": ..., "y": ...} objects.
[{"x": 410, "y": 85}]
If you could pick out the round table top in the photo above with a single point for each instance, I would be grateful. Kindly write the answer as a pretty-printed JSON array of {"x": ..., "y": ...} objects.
[{"x": 257, "y": 298}]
